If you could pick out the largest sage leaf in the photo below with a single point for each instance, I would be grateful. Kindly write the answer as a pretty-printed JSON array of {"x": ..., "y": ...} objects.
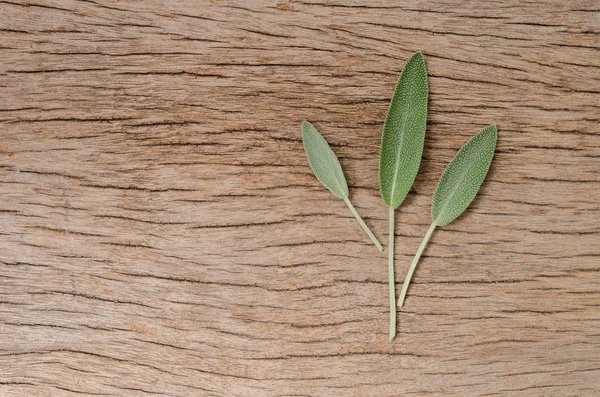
[
  {"x": 457, "y": 187},
  {"x": 401, "y": 150},
  {"x": 327, "y": 169}
]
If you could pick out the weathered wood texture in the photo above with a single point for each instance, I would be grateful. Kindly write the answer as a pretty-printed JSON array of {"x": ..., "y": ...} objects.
[{"x": 162, "y": 234}]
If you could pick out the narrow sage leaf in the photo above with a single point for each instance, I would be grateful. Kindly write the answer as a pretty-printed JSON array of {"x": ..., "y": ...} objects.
[
  {"x": 461, "y": 180},
  {"x": 404, "y": 133},
  {"x": 323, "y": 161},
  {"x": 457, "y": 187},
  {"x": 327, "y": 169},
  {"x": 401, "y": 150}
]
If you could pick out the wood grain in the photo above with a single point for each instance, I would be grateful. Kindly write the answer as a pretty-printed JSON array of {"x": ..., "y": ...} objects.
[{"x": 162, "y": 234}]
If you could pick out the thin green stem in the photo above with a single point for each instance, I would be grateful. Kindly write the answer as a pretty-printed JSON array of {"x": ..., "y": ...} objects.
[
  {"x": 391, "y": 276},
  {"x": 413, "y": 266},
  {"x": 364, "y": 225}
]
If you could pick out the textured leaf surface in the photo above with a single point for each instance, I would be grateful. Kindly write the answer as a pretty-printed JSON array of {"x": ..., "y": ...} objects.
[
  {"x": 404, "y": 133},
  {"x": 323, "y": 161},
  {"x": 461, "y": 180}
]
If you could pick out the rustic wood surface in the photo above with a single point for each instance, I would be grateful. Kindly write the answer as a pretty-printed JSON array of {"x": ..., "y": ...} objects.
[{"x": 162, "y": 233}]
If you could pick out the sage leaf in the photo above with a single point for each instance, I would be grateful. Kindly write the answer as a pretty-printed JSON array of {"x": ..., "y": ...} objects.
[
  {"x": 323, "y": 161},
  {"x": 457, "y": 187},
  {"x": 326, "y": 167},
  {"x": 404, "y": 133},
  {"x": 401, "y": 150},
  {"x": 461, "y": 180}
]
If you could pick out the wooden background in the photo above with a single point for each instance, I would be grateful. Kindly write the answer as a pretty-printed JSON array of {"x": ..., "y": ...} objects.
[{"x": 162, "y": 234}]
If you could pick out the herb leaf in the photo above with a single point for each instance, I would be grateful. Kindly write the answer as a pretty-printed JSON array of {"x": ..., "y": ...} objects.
[
  {"x": 401, "y": 150},
  {"x": 327, "y": 169},
  {"x": 323, "y": 161},
  {"x": 457, "y": 187},
  {"x": 461, "y": 180},
  {"x": 404, "y": 132}
]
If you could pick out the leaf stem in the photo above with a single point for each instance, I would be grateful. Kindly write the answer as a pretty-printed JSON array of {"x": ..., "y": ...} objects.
[
  {"x": 363, "y": 224},
  {"x": 391, "y": 276},
  {"x": 413, "y": 266}
]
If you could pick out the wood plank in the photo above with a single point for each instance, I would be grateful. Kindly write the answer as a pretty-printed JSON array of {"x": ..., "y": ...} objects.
[{"x": 162, "y": 233}]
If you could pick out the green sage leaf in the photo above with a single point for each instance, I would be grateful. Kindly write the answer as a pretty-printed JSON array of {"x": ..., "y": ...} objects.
[
  {"x": 323, "y": 161},
  {"x": 328, "y": 171},
  {"x": 461, "y": 180},
  {"x": 404, "y": 133},
  {"x": 401, "y": 150},
  {"x": 456, "y": 188}
]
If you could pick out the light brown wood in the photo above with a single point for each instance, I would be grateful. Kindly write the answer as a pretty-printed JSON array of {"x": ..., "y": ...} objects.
[{"x": 162, "y": 233}]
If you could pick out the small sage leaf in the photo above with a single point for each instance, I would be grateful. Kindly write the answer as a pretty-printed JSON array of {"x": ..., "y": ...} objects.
[
  {"x": 401, "y": 150},
  {"x": 323, "y": 161},
  {"x": 457, "y": 187},
  {"x": 461, "y": 180},
  {"x": 404, "y": 133},
  {"x": 327, "y": 169}
]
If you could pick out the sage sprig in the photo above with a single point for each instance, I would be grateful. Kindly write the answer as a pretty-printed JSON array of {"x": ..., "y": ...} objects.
[
  {"x": 457, "y": 187},
  {"x": 327, "y": 169},
  {"x": 401, "y": 150}
]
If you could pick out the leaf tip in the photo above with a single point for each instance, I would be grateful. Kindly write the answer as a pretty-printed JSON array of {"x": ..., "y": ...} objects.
[
  {"x": 418, "y": 56},
  {"x": 493, "y": 129},
  {"x": 307, "y": 127}
]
